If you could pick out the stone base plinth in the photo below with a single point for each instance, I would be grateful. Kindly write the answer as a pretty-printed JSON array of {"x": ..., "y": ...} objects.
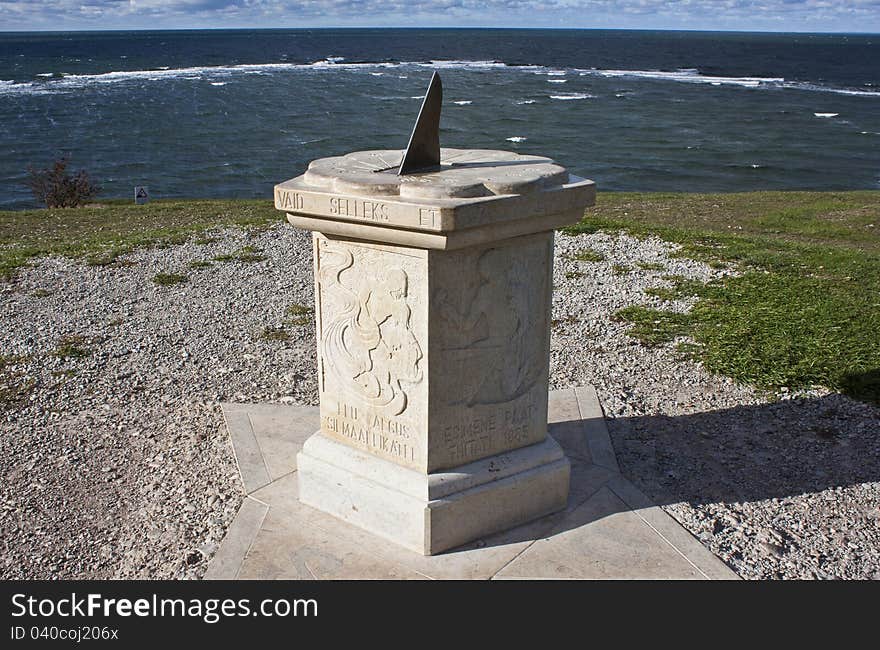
[{"x": 430, "y": 513}]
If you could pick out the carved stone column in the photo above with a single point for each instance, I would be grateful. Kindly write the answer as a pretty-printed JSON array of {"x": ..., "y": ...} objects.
[{"x": 433, "y": 298}]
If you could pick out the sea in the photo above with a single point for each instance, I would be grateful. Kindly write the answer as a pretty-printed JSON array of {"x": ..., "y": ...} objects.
[{"x": 230, "y": 113}]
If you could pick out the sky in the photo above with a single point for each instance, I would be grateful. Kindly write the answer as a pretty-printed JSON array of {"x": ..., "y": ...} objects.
[{"x": 746, "y": 15}]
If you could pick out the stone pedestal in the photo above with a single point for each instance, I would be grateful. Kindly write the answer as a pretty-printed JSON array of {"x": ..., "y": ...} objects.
[{"x": 433, "y": 297}]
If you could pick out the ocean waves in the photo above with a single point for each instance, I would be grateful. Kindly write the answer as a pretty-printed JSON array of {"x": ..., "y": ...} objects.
[
  {"x": 60, "y": 81},
  {"x": 686, "y": 75},
  {"x": 694, "y": 76},
  {"x": 571, "y": 96}
]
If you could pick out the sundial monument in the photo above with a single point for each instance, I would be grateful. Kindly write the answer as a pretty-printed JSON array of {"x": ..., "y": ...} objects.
[{"x": 433, "y": 282}]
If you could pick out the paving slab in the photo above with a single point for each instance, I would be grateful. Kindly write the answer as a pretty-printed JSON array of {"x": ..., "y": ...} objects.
[
  {"x": 602, "y": 538},
  {"x": 609, "y": 529},
  {"x": 239, "y": 538}
]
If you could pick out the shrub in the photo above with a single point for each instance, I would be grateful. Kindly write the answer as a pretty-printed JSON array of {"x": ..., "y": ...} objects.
[{"x": 56, "y": 188}]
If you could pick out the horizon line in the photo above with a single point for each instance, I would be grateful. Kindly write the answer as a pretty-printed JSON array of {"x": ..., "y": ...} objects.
[{"x": 434, "y": 27}]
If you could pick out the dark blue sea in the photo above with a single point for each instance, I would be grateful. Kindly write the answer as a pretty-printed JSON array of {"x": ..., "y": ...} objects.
[{"x": 231, "y": 113}]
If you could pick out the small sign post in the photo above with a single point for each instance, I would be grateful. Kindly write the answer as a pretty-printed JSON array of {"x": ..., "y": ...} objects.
[{"x": 141, "y": 195}]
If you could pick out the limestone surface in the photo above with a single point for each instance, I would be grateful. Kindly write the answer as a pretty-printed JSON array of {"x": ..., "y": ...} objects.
[
  {"x": 474, "y": 196},
  {"x": 474, "y": 387},
  {"x": 433, "y": 349}
]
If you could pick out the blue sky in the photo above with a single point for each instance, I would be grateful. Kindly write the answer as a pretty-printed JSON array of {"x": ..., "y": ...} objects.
[{"x": 759, "y": 15}]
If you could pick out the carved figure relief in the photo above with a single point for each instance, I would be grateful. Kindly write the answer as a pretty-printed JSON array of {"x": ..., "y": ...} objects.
[
  {"x": 495, "y": 328},
  {"x": 366, "y": 340}
]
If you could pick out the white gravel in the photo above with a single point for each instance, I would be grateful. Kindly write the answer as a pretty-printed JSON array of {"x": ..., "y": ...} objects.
[{"x": 117, "y": 464}]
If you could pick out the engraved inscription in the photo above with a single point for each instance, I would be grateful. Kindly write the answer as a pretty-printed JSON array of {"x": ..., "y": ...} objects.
[
  {"x": 518, "y": 422},
  {"x": 290, "y": 200},
  {"x": 367, "y": 342},
  {"x": 428, "y": 217},
  {"x": 377, "y": 433},
  {"x": 472, "y": 437},
  {"x": 469, "y": 438},
  {"x": 360, "y": 208}
]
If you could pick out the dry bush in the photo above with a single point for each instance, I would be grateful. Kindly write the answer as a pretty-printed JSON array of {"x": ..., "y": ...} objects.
[{"x": 57, "y": 188}]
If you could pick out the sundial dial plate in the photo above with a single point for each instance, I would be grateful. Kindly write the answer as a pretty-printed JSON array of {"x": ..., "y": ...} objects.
[
  {"x": 462, "y": 173},
  {"x": 470, "y": 187}
]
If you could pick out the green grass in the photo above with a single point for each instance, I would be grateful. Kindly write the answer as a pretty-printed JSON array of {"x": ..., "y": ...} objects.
[
  {"x": 588, "y": 255},
  {"x": 200, "y": 264},
  {"x": 655, "y": 326},
  {"x": 274, "y": 334},
  {"x": 245, "y": 254},
  {"x": 846, "y": 218},
  {"x": 805, "y": 310},
  {"x": 7, "y": 360},
  {"x": 298, "y": 310},
  {"x": 71, "y": 347},
  {"x": 651, "y": 266},
  {"x": 100, "y": 234},
  {"x": 681, "y": 288},
  {"x": 165, "y": 279},
  {"x": 298, "y": 314},
  {"x": 620, "y": 269}
]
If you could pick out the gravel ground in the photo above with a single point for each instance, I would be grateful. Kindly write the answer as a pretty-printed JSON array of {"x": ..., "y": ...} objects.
[{"x": 117, "y": 463}]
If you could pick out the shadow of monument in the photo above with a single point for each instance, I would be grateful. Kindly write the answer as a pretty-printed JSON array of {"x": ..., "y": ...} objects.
[
  {"x": 863, "y": 386},
  {"x": 751, "y": 453},
  {"x": 735, "y": 455}
]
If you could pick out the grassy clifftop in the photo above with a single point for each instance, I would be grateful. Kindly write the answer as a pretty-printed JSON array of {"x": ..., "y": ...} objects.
[
  {"x": 99, "y": 234},
  {"x": 803, "y": 311}
]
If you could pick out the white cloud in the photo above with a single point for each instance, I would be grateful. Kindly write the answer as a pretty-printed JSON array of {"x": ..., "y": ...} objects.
[{"x": 802, "y": 15}]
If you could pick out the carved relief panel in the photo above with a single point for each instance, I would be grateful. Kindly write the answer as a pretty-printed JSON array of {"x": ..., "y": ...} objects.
[
  {"x": 489, "y": 348},
  {"x": 371, "y": 335}
]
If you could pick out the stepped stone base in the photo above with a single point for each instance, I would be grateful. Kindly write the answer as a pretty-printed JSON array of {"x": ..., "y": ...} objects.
[{"x": 434, "y": 512}]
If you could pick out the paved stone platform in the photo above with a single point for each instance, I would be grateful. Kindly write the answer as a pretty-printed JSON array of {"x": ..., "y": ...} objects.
[{"x": 609, "y": 530}]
